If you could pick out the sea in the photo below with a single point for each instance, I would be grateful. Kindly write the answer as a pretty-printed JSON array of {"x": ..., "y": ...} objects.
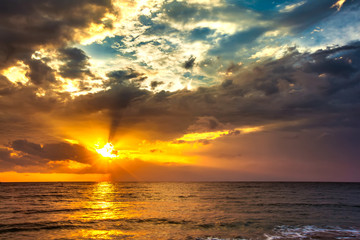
[{"x": 180, "y": 210}]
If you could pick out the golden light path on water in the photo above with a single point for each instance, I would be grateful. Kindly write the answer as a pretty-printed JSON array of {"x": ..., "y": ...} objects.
[
  {"x": 103, "y": 205},
  {"x": 131, "y": 211}
]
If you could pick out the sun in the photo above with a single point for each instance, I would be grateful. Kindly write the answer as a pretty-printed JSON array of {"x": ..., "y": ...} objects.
[{"x": 107, "y": 151}]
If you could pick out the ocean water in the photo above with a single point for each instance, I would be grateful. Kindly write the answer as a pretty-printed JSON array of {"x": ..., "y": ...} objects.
[{"x": 223, "y": 210}]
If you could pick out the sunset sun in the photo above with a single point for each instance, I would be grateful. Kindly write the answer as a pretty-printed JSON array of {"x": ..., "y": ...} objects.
[{"x": 107, "y": 151}]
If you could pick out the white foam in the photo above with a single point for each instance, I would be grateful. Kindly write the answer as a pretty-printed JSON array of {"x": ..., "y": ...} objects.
[
  {"x": 303, "y": 232},
  {"x": 215, "y": 238}
]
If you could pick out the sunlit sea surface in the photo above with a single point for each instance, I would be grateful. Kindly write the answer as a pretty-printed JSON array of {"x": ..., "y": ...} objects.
[{"x": 223, "y": 210}]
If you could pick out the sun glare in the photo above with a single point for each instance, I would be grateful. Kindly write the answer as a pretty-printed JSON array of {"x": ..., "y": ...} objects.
[{"x": 107, "y": 151}]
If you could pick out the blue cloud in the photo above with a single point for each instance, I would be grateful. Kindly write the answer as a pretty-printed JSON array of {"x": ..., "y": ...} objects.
[
  {"x": 230, "y": 44},
  {"x": 145, "y": 20},
  {"x": 180, "y": 11},
  {"x": 303, "y": 17},
  {"x": 159, "y": 29},
  {"x": 200, "y": 33}
]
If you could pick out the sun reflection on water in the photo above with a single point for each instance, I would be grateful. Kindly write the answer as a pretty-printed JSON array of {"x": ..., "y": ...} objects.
[
  {"x": 103, "y": 201},
  {"x": 132, "y": 211},
  {"x": 104, "y": 205}
]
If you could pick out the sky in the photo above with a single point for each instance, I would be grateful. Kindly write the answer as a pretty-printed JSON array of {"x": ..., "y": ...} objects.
[{"x": 196, "y": 90}]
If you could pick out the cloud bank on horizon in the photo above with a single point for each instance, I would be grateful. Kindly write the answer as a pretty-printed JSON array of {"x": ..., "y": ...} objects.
[{"x": 184, "y": 90}]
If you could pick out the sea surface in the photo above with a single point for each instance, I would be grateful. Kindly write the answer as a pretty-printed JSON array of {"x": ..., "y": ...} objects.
[{"x": 222, "y": 210}]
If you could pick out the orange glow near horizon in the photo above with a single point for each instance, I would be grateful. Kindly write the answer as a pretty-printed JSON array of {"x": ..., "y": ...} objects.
[
  {"x": 124, "y": 151},
  {"x": 134, "y": 146},
  {"x": 52, "y": 177}
]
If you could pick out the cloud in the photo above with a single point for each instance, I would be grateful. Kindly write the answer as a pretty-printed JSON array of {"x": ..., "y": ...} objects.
[
  {"x": 291, "y": 7},
  {"x": 40, "y": 72},
  {"x": 338, "y": 29},
  {"x": 125, "y": 77},
  {"x": 180, "y": 11},
  {"x": 338, "y": 4},
  {"x": 114, "y": 101},
  {"x": 155, "y": 84},
  {"x": 200, "y": 33},
  {"x": 230, "y": 44},
  {"x": 206, "y": 124},
  {"x": 286, "y": 88},
  {"x": 54, "y": 151},
  {"x": 76, "y": 63},
  {"x": 283, "y": 89},
  {"x": 60, "y": 157},
  {"x": 52, "y": 24},
  {"x": 301, "y": 17},
  {"x": 190, "y": 63},
  {"x": 6, "y": 87}
]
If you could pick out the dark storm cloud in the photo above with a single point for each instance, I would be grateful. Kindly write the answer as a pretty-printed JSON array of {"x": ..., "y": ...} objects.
[
  {"x": 22, "y": 108},
  {"x": 115, "y": 100},
  {"x": 8, "y": 161},
  {"x": 295, "y": 87},
  {"x": 26, "y": 156},
  {"x": 276, "y": 90},
  {"x": 40, "y": 72},
  {"x": 76, "y": 63},
  {"x": 125, "y": 77},
  {"x": 25, "y": 26},
  {"x": 332, "y": 62},
  {"x": 24, "y": 99},
  {"x": 54, "y": 151}
]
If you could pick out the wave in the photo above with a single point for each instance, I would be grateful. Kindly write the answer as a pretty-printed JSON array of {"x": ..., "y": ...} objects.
[
  {"x": 20, "y": 227},
  {"x": 300, "y": 233},
  {"x": 40, "y": 211},
  {"x": 73, "y": 224},
  {"x": 216, "y": 238},
  {"x": 289, "y": 205},
  {"x": 313, "y": 232},
  {"x": 155, "y": 221}
]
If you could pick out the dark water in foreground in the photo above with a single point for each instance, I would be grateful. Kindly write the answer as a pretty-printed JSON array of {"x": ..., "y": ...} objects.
[{"x": 179, "y": 210}]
